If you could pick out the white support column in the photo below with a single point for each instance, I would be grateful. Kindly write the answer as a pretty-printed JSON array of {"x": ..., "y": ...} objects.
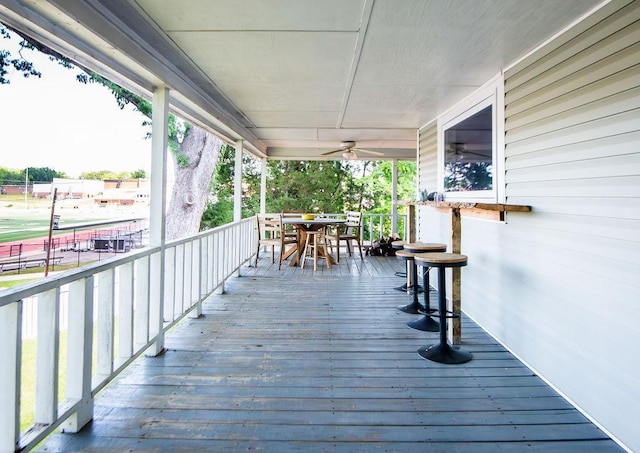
[
  {"x": 394, "y": 197},
  {"x": 263, "y": 186},
  {"x": 159, "y": 145},
  {"x": 237, "y": 184},
  {"x": 237, "y": 191}
]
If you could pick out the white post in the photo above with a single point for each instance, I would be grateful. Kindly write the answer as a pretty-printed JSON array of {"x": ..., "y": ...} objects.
[
  {"x": 237, "y": 188},
  {"x": 237, "y": 183},
  {"x": 394, "y": 197},
  {"x": 159, "y": 145},
  {"x": 26, "y": 185},
  {"x": 263, "y": 186}
]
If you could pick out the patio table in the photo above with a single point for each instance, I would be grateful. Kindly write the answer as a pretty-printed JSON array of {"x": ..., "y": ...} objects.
[{"x": 304, "y": 225}]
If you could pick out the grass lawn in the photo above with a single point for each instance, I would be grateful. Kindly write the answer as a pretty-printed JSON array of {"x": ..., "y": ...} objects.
[
  {"x": 11, "y": 283},
  {"x": 20, "y": 221}
]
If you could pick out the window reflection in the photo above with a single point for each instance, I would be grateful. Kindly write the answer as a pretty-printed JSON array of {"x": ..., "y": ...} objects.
[{"x": 468, "y": 153}]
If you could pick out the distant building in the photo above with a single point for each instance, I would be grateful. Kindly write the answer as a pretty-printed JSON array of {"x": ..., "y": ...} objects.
[
  {"x": 124, "y": 192},
  {"x": 14, "y": 189},
  {"x": 69, "y": 188}
]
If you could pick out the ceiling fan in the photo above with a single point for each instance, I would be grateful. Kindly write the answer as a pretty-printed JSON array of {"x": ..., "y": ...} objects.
[
  {"x": 470, "y": 151},
  {"x": 348, "y": 150}
]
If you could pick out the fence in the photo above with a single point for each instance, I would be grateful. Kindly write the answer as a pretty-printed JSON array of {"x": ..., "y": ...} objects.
[{"x": 105, "y": 315}]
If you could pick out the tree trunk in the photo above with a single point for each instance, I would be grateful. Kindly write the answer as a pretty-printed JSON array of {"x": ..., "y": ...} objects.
[{"x": 191, "y": 187}]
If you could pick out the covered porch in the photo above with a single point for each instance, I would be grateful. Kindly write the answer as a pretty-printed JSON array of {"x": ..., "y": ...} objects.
[
  {"x": 281, "y": 79},
  {"x": 296, "y": 360}
]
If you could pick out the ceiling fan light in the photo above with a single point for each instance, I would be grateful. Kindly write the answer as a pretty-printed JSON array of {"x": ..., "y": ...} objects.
[{"x": 348, "y": 155}]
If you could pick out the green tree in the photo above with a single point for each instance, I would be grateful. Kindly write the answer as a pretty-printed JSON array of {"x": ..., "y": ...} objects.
[
  {"x": 11, "y": 177},
  {"x": 139, "y": 174},
  {"x": 101, "y": 175},
  {"x": 43, "y": 174},
  {"x": 219, "y": 209},
  {"x": 195, "y": 150},
  {"x": 316, "y": 186}
]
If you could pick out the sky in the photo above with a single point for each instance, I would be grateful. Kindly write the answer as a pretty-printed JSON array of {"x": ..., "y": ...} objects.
[{"x": 56, "y": 122}]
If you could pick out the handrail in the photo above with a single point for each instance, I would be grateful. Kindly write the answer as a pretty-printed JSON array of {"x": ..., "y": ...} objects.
[
  {"x": 118, "y": 299},
  {"x": 128, "y": 301}
]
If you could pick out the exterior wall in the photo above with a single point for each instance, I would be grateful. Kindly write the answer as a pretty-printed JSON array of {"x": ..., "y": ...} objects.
[
  {"x": 559, "y": 286},
  {"x": 427, "y": 172},
  {"x": 15, "y": 190}
]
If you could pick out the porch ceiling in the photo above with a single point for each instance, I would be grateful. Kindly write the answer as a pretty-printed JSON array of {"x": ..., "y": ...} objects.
[{"x": 294, "y": 78}]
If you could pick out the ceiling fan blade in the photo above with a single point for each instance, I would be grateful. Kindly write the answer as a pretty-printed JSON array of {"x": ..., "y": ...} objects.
[
  {"x": 366, "y": 151},
  {"x": 332, "y": 152}
]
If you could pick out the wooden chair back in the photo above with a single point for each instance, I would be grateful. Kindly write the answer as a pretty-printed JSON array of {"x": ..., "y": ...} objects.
[
  {"x": 269, "y": 226},
  {"x": 353, "y": 223}
]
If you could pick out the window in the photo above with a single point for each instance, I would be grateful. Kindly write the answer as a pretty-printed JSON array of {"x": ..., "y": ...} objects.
[
  {"x": 470, "y": 147},
  {"x": 468, "y": 153}
]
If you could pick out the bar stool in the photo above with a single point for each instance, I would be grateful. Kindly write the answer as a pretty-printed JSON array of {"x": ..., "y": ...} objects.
[
  {"x": 399, "y": 245},
  {"x": 410, "y": 273},
  {"x": 412, "y": 285},
  {"x": 426, "y": 322},
  {"x": 413, "y": 289},
  {"x": 443, "y": 352},
  {"x": 315, "y": 239}
]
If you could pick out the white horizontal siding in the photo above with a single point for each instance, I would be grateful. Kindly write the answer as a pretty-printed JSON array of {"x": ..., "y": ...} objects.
[
  {"x": 572, "y": 134},
  {"x": 559, "y": 285},
  {"x": 427, "y": 176}
]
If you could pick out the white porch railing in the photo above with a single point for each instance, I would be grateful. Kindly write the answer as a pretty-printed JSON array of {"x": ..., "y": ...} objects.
[
  {"x": 114, "y": 310},
  {"x": 375, "y": 226}
]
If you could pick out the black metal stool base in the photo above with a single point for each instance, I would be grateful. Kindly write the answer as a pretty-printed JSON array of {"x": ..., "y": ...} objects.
[
  {"x": 444, "y": 353},
  {"x": 403, "y": 288},
  {"x": 411, "y": 308},
  {"x": 425, "y": 323}
]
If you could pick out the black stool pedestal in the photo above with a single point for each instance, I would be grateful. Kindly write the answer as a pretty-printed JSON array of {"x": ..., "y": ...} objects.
[
  {"x": 444, "y": 352},
  {"x": 425, "y": 323},
  {"x": 414, "y": 306}
]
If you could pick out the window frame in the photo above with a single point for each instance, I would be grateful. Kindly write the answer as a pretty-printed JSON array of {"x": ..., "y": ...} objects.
[{"x": 491, "y": 94}]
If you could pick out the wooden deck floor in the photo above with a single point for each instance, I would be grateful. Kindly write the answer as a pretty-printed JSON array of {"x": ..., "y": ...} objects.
[{"x": 294, "y": 360}]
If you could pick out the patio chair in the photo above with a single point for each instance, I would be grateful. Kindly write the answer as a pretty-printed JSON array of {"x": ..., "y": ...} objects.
[
  {"x": 290, "y": 230},
  {"x": 271, "y": 233},
  {"x": 347, "y": 232}
]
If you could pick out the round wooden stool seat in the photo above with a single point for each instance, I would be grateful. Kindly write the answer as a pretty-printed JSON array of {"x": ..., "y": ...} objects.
[
  {"x": 398, "y": 245},
  {"x": 405, "y": 254},
  {"x": 422, "y": 247},
  {"x": 439, "y": 259}
]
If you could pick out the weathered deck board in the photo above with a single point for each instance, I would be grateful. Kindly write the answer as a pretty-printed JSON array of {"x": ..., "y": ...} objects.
[{"x": 297, "y": 360}]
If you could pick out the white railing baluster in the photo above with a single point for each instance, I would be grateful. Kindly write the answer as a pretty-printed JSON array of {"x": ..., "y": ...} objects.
[
  {"x": 79, "y": 354},
  {"x": 170, "y": 284},
  {"x": 141, "y": 303},
  {"x": 156, "y": 303},
  {"x": 179, "y": 277},
  {"x": 198, "y": 266},
  {"x": 10, "y": 338},
  {"x": 105, "y": 323},
  {"x": 48, "y": 341},
  {"x": 186, "y": 288},
  {"x": 125, "y": 312}
]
